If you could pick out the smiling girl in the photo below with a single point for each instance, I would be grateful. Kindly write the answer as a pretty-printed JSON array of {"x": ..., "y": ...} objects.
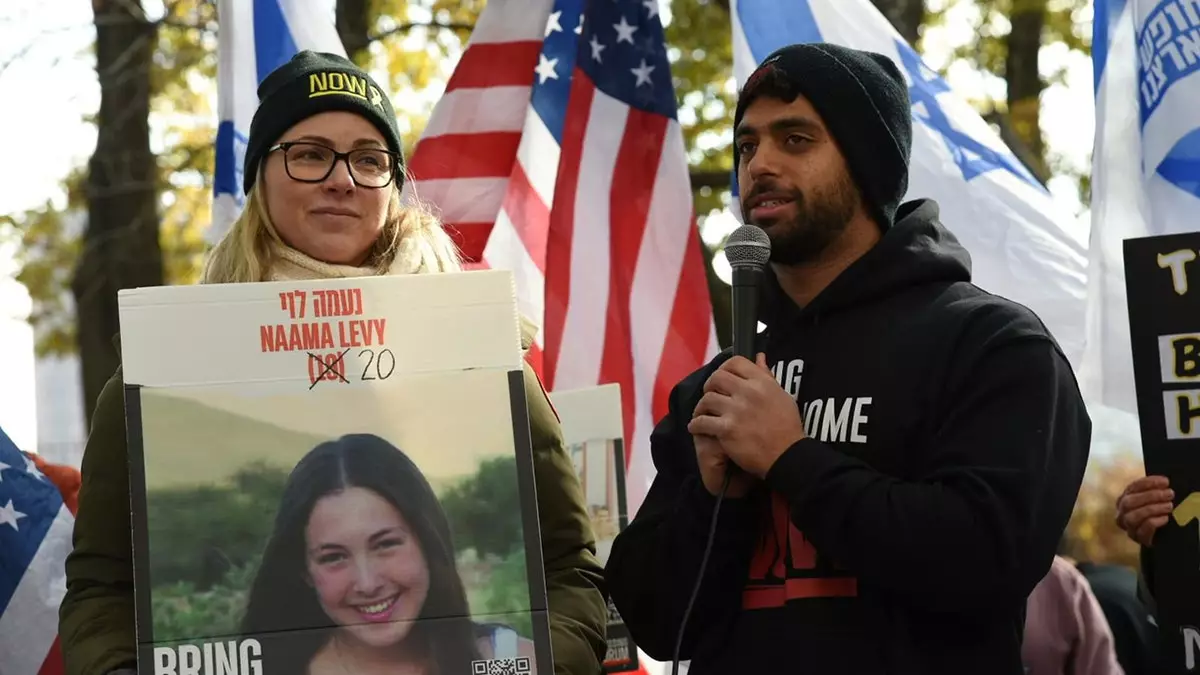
[{"x": 359, "y": 573}]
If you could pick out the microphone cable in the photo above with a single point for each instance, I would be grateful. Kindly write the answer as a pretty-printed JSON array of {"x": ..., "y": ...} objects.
[{"x": 712, "y": 532}]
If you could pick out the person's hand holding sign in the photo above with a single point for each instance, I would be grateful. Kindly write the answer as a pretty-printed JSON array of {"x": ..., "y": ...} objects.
[{"x": 1145, "y": 506}]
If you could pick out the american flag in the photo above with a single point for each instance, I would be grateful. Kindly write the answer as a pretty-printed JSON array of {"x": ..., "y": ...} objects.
[
  {"x": 35, "y": 538},
  {"x": 556, "y": 153}
]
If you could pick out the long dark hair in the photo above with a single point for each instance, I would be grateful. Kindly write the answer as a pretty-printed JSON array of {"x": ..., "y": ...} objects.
[{"x": 282, "y": 610}]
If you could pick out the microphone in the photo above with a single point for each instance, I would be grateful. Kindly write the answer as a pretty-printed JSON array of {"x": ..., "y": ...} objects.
[{"x": 748, "y": 249}]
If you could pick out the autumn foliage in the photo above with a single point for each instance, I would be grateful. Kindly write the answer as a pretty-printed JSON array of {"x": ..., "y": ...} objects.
[{"x": 1093, "y": 534}]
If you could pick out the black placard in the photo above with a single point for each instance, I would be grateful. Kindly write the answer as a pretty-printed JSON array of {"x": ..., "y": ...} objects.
[{"x": 1162, "y": 278}]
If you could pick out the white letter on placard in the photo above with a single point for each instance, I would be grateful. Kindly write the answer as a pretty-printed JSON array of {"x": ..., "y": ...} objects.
[
  {"x": 225, "y": 659},
  {"x": 1179, "y": 357},
  {"x": 251, "y": 653},
  {"x": 1176, "y": 260},
  {"x": 189, "y": 660},
  {"x": 164, "y": 661},
  {"x": 1181, "y": 409}
]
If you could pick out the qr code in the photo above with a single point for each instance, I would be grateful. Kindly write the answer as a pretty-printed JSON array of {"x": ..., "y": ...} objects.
[{"x": 518, "y": 666}]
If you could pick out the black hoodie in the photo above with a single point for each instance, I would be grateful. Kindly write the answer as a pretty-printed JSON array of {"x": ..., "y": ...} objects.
[{"x": 948, "y": 441}]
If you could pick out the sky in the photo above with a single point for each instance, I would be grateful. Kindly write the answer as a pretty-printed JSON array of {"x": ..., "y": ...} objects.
[{"x": 48, "y": 80}]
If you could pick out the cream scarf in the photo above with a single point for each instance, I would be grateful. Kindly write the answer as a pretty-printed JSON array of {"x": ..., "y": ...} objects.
[{"x": 288, "y": 264}]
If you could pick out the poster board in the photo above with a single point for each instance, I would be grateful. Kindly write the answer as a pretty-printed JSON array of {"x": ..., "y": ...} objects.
[
  {"x": 593, "y": 430},
  {"x": 303, "y": 457},
  {"x": 1162, "y": 277}
]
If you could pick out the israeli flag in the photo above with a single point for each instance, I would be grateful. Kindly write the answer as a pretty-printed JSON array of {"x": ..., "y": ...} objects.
[
  {"x": 1022, "y": 244},
  {"x": 1145, "y": 164},
  {"x": 256, "y": 37}
]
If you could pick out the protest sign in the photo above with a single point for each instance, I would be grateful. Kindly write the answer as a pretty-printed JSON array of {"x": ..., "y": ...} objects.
[
  {"x": 326, "y": 471},
  {"x": 1162, "y": 279},
  {"x": 591, "y": 423}
]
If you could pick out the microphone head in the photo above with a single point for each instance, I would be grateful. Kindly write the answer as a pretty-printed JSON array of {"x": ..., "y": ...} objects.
[{"x": 748, "y": 246}]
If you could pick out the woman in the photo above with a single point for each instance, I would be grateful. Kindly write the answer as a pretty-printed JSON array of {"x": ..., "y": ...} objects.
[
  {"x": 310, "y": 215},
  {"x": 361, "y": 545}
]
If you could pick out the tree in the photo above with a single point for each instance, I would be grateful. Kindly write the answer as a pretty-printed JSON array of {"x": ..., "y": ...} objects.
[
  {"x": 1093, "y": 533},
  {"x": 1010, "y": 37},
  {"x": 485, "y": 509},
  {"x": 127, "y": 206},
  {"x": 701, "y": 55},
  {"x": 906, "y": 16},
  {"x": 120, "y": 242}
]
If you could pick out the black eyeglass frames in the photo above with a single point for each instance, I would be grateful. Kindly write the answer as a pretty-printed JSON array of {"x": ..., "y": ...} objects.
[{"x": 309, "y": 162}]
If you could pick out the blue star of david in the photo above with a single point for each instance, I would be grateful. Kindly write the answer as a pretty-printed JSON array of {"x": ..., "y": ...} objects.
[
  {"x": 1181, "y": 166},
  {"x": 972, "y": 157}
]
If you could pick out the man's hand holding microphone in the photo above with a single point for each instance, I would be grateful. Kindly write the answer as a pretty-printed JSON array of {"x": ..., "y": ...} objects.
[{"x": 744, "y": 417}]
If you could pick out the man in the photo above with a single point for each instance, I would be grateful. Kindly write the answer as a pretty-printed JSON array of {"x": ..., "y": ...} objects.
[{"x": 910, "y": 447}]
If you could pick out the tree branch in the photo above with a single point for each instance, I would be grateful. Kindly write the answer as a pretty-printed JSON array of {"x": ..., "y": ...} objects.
[
  {"x": 353, "y": 22},
  {"x": 183, "y": 25},
  {"x": 38, "y": 41},
  {"x": 405, "y": 27}
]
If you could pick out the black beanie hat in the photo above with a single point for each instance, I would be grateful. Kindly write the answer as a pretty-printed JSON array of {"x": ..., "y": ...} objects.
[
  {"x": 309, "y": 84},
  {"x": 863, "y": 100}
]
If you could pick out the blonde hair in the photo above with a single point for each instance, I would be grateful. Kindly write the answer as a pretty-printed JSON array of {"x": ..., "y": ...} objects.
[{"x": 412, "y": 241}]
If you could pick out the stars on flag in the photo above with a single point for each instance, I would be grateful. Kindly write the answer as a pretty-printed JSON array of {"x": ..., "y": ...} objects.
[
  {"x": 636, "y": 75},
  {"x": 597, "y": 48},
  {"x": 625, "y": 31},
  {"x": 552, "y": 25},
  {"x": 31, "y": 469},
  {"x": 545, "y": 68},
  {"x": 9, "y": 515},
  {"x": 642, "y": 73}
]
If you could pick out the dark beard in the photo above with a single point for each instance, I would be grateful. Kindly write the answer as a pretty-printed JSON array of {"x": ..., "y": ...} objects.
[{"x": 804, "y": 238}]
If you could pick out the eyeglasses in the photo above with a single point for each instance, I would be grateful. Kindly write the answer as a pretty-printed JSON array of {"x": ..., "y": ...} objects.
[{"x": 312, "y": 163}]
